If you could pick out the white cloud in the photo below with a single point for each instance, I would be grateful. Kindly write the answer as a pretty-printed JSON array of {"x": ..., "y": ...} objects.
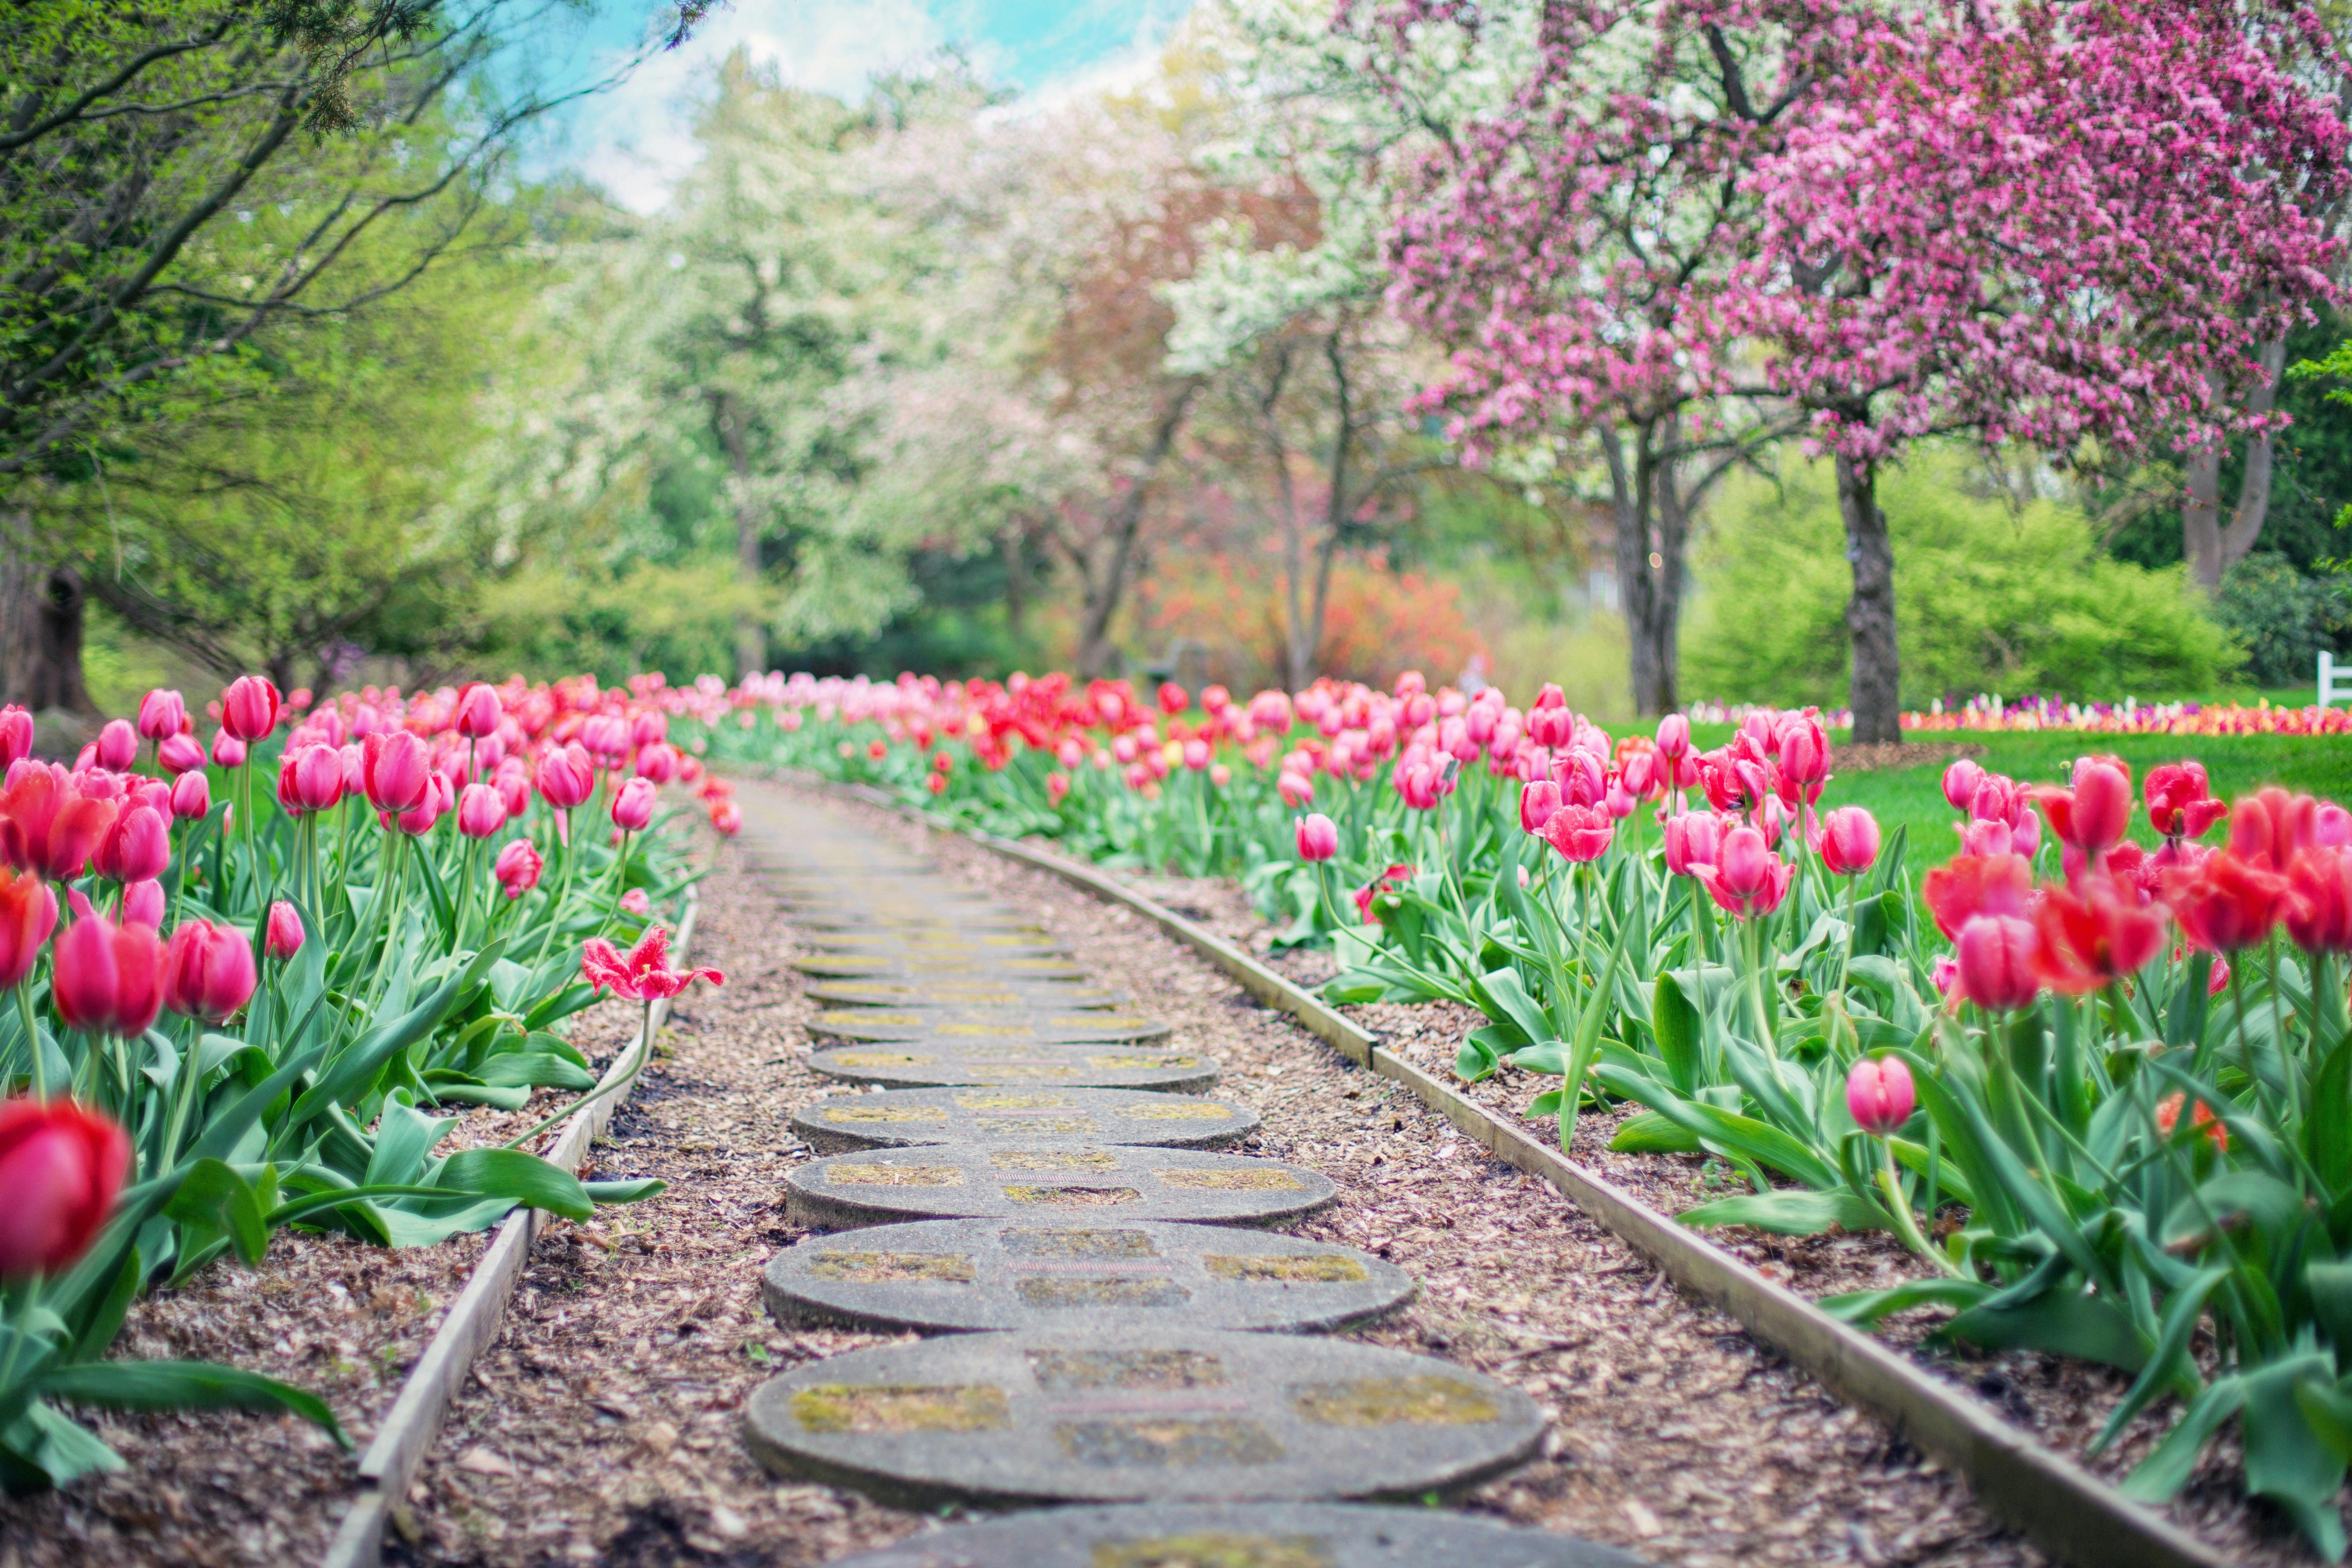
[{"x": 637, "y": 141}]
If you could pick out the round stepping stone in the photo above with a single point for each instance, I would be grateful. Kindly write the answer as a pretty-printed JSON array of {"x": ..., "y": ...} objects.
[
  {"x": 901, "y": 1066},
  {"x": 1241, "y": 1535},
  {"x": 847, "y": 965},
  {"x": 961, "y": 993},
  {"x": 1026, "y": 1026},
  {"x": 1049, "y": 1184},
  {"x": 959, "y": 1275},
  {"x": 1016, "y": 943},
  {"x": 1136, "y": 1414},
  {"x": 905, "y": 1117}
]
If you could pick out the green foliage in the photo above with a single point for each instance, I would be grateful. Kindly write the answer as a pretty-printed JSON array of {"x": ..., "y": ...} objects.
[
  {"x": 2282, "y": 615},
  {"x": 1990, "y": 597}
]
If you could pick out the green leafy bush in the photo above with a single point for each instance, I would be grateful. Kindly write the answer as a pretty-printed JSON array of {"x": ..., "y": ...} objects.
[
  {"x": 2283, "y": 616},
  {"x": 1988, "y": 596}
]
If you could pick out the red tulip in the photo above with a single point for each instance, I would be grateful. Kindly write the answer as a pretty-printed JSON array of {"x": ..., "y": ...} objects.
[
  {"x": 283, "y": 936},
  {"x": 15, "y": 734},
  {"x": 249, "y": 708},
  {"x": 479, "y": 711},
  {"x": 118, "y": 746},
  {"x": 1971, "y": 885},
  {"x": 1747, "y": 878},
  {"x": 566, "y": 777},
  {"x": 2091, "y": 936},
  {"x": 1996, "y": 956},
  {"x": 517, "y": 868},
  {"x": 2179, "y": 800},
  {"x": 2167, "y": 1117},
  {"x": 644, "y": 973},
  {"x": 1581, "y": 833},
  {"x": 1880, "y": 1094},
  {"x": 1849, "y": 841},
  {"x": 1537, "y": 800},
  {"x": 1174, "y": 698},
  {"x": 2319, "y": 901},
  {"x": 633, "y": 806},
  {"x": 2092, "y": 813},
  {"x": 47, "y": 824},
  {"x": 2224, "y": 902},
  {"x": 61, "y": 1167},
  {"x": 108, "y": 979},
  {"x": 28, "y": 913},
  {"x": 393, "y": 767},
  {"x": 192, "y": 796},
  {"x": 726, "y": 817},
  {"x": 207, "y": 972},
  {"x": 481, "y": 811},
  {"x": 1319, "y": 837}
]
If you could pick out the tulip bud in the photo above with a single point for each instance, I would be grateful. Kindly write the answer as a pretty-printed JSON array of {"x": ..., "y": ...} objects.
[
  {"x": 1960, "y": 781},
  {"x": 108, "y": 979},
  {"x": 517, "y": 868},
  {"x": 207, "y": 972},
  {"x": 15, "y": 735},
  {"x": 1673, "y": 737},
  {"x": 481, "y": 811},
  {"x": 1996, "y": 958},
  {"x": 566, "y": 777},
  {"x": 1319, "y": 837},
  {"x": 637, "y": 901},
  {"x": 179, "y": 753},
  {"x": 228, "y": 752},
  {"x": 249, "y": 708},
  {"x": 647, "y": 727},
  {"x": 393, "y": 770},
  {"x": 1880, "y": 1094},
  {"x": 657, "y": 761},
  {"x": 28, "y": 913},
  {"x": 2102, "y": 807},
  {"x": 478, "y": 711},
  {"x": 284, "y": 935},
  {"x": 142, "y": 903},
  {"x": 137, "y": 847},
  {"x": 633, "y": 807},
  {"x": 61, "y": 1167},
  {"x": 161, "y": 712},
  {"x": 192, "y": 796},
  {"x": 118, "y": 746}
]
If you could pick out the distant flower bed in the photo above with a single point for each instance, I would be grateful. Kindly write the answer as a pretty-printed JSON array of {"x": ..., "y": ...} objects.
[{"x": 2127, "y": 717}]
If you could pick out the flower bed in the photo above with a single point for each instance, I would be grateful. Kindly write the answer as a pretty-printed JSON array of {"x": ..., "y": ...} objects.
[
  {"x": 2098, "y": 1094},
  {"x": 240, "y": 1008}
]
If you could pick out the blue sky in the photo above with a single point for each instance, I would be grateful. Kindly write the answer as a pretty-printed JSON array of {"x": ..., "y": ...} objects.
[{"x": 634, "y": 141}]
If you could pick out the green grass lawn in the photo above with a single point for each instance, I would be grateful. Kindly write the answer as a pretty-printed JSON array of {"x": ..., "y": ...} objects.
[{"x": 1913, "y": 798}]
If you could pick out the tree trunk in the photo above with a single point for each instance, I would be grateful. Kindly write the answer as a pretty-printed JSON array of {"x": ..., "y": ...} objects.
[
  {"x": 1650, "y": 598},
  {"x": 40, "y": 633},
  {"x": 2208, "y": 545},
  {"x": 1877, "y": 692},
  {"x": 1105, "y": 581},
  {"x": 750, "y": 631}
]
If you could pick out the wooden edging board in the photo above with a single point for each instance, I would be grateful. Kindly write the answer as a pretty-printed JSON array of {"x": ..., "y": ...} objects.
[
  {"x": 2062, "y": 1506},
  {"x": 389, "y": 1466}
]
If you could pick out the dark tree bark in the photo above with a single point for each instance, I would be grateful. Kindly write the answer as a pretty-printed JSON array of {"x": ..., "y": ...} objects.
[
  {"x": 1877, "y": 692},
  {"x": 2209, "y": 546},
  {"x": 40, "y": 635}
]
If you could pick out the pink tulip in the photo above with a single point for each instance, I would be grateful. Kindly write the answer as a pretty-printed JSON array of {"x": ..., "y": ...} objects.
[
  {"x": 1747, "y": 878},
  {"x": 438, "y": 797},
  {"x": 481, "y": 811},
  {"x": 1849, "y": 841},
  {"x": 192, "y": 796},
  {"x": 249, "y": 708},
  {"x": 1319, "y": 837},
  {"x": 1296, "y": 789},
  {"x": 633, "y": 807},
  {"x": 1960, "y": 781},
  {"x": 1673, "y": 737},
  {"x": 650, "y": 725},
  {"x": 51, "y": 820},
  {"x": 1581, "y": 833},
  {"x": 393, "y": 770},
  {"x": 179, "y": 753},
  {"x": 517, "y": 868},
  {"x": 118, "y": 746},
  {"x": 162, "y": 714},
  {"x": 1880, "y": 1094},
  {"x": 566, "y": 777},
  {"x": 108, "y": 979},
  {"x": 1538, "y": 802},
  {"x": 478, "y": 711},
  {"x": 284, "y": 935},
  {"x": 657, "y": 761},
  {"x": 637, "y": 901},
  {"x": 15, "y": 734},
  {"x": 1804, "y": 755},
  {"x": 1691, "y": 840},
  {"x": 228, "y": 752},
  {"x": 1996, "y": 960},
  {"x": 309, "y": 779},
  {"x": 142, "y": 903},
  {"x": 207, "y": 972},
  {"x": 61, "y": 1167},
  {"x": 513, "y": 783}
]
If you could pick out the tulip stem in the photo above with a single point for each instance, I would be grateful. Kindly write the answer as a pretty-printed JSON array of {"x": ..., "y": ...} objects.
[
  {"x": 33, "y": 1047},
  {"x": 1890, "y": 1184},
  {"x": 643, "y": 1053}
]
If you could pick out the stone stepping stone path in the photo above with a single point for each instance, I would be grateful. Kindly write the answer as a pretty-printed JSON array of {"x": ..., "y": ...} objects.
[
  {"x": 902, "y": 1117},
  {"x": 1111, "y": 1330},
  {"x": 964, "y": 1275},
  {"x": 938, "y": 1026},
  {"x": 1241, "y": 1535},
  {"x": 1133, "y": 1413},
  {"x": 1045, "y": 1183},
  {"x": 902, "y": 1066}
]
